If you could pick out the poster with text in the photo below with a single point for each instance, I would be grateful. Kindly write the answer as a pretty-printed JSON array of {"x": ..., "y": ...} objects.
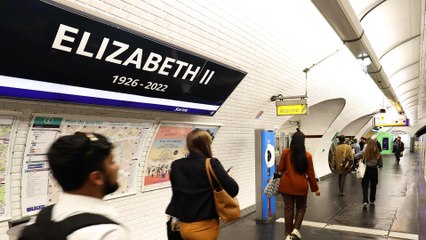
[
  {"x": 40, "y": 188},
  {"x": 168, "y": 145}
]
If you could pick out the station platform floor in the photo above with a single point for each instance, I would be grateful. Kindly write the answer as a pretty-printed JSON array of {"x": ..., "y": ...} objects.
[{"x": 399, "y": 211}]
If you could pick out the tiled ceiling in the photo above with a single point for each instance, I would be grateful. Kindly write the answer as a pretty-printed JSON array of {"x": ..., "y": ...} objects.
[
  {"x": 389, "y": 33},
  {"x": 394, "y": 30}
]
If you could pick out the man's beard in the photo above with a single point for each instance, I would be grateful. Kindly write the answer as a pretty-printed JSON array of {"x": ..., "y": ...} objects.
[{"x": 110, "y": 187}]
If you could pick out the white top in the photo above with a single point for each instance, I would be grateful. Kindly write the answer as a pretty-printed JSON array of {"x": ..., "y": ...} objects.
[{"x": 71, "y": 204}]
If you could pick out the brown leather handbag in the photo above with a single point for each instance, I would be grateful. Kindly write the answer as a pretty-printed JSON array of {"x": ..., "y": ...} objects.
[{"x": 227, "y": 207}]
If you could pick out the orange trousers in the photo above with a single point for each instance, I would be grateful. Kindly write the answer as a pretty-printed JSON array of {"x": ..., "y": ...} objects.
[{"x": 201, "y": 230}]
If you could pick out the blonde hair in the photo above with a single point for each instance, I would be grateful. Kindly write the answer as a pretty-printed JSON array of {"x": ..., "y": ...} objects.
[
  {"x": 199, "y": 141},
  {"x": 371, "y": 151}
]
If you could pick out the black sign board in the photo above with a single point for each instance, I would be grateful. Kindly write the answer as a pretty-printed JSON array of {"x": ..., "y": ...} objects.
[{"x": 48, "y": 52}]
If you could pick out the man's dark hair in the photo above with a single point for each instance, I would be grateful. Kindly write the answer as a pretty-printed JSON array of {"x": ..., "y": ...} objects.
[
  {"x": 342, "y": 138},
  {"x": 73, "y": 157}
]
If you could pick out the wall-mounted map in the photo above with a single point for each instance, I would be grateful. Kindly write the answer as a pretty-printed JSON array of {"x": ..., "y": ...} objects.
[
  {"x": 39, "y": 187},
  {"x": 7, "y": 130}
]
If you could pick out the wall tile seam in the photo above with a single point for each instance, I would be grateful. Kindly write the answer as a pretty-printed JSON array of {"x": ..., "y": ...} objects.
[
  {"x": 114, "y": 3},
  {"x": 203, "y": 16},
  {"x": 131, "y": 9},
  {"x": 119, "y": 13},
  {"x": 229, "y": 16},
  {"x": 100, "y": 6},
  {"x": 154, "y": 8},
  {"x": 229, "y": 35},
  {"x": 135, "y": 20}
]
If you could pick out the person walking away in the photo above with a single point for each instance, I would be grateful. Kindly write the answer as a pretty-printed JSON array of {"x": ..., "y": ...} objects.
[
  {"x": 356, "y": 149},
  {"x": 83, "y": 166},
  {"x": 355, "y": 146},
  {"x": 362, "y": 143},
  {"x": 192, "y": 200},
  {"x": 379, "y": 146},
  {"x": 372, "y": 159},
  {"x": 297, "y": 172},
  {"x": 343, "y": 151},
  {"x": 398, "y": 147}
]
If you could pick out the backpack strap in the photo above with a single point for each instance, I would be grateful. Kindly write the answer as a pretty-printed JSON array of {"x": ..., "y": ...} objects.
[
  {"x": 72, "y": 223},
  {"x": 82, "y": 220},
  {"x": 45, "y": 214}
]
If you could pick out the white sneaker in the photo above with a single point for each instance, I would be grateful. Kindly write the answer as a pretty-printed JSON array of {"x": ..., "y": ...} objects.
[
  {"x": 364, "y": 205},
  {"x": 296, "y": 234},
  {"x": 288, "y": 237}
]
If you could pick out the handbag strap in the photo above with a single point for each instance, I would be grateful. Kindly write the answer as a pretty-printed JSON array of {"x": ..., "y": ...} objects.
[{"x": 210, "y": 172}]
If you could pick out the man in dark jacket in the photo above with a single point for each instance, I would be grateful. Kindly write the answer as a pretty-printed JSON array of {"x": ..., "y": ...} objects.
[{"x": 398, "y": 148}]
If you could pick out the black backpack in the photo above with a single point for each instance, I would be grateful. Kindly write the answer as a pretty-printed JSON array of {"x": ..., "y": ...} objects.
[{"x": 46, "y": 229}]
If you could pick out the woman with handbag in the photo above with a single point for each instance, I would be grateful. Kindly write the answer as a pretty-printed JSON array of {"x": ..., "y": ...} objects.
[
  {"x": 297, "y": 172},
  {"x": 192, "y": 201},
  {"x": 372, "y": 159}
]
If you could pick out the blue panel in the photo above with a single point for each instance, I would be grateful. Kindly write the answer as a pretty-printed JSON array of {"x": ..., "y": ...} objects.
[{"x": 268, "y": 169}]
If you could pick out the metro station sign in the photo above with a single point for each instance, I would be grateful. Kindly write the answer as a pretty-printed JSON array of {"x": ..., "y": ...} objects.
[{"x": 50, "y": 52}]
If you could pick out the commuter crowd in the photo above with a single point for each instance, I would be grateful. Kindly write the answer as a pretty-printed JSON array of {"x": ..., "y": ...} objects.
[
  {"x": 365, "y": 160},
  {"x": 203, "y": 191}
]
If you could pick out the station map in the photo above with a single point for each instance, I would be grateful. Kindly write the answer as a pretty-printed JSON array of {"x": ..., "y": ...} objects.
[{"x": 39, "y": 187}]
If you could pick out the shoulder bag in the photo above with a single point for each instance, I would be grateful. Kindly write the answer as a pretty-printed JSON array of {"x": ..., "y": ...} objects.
[
  {"x": 346, "y": 163},
  {"x": 272, "y": 188},
  {"x": 227, "y": 207},
  {"x": 360, "y": 172}
]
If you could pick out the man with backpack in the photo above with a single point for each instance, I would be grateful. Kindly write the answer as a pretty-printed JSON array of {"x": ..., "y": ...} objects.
[
  {"x": 342, "y": 162},
  {"x": 83, "y": 165}
]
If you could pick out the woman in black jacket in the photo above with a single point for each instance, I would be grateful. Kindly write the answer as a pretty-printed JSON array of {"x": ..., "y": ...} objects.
[{"x": 192, "y": 201}]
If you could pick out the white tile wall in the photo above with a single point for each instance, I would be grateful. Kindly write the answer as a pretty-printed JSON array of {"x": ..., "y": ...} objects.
[{"x": 273, "y": 41}]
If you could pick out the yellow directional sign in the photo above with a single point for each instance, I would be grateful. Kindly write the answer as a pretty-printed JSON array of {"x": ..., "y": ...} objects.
[
  {"x": 294, "y": 107},
  {"x": 291, "y": 110}
]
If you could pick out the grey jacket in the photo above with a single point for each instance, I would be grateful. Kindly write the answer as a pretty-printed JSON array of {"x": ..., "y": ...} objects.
[{"x": 371, "y": 162}]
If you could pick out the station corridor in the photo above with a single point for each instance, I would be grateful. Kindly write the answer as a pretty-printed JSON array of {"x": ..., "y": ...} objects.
[{"x": 395, "y": 215}]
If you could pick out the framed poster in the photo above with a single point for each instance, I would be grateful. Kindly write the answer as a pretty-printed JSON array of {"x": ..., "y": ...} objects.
[{"x": 169, "y": 144}]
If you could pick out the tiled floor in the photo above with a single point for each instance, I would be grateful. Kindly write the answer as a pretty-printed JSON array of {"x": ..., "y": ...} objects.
[{"x": 394, "y": 216}]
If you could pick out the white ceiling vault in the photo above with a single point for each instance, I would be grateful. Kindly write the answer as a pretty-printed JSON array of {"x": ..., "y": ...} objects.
[{"x": 394, "y": 31}]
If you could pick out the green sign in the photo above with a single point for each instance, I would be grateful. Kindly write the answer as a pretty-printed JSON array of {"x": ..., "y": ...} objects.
[{"x": 47, "y": 122}]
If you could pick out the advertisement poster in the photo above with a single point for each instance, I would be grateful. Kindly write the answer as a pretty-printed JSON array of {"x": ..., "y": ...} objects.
[
  {"x": 168, "y": 145},
  {"x": 40, "y": 188}
]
